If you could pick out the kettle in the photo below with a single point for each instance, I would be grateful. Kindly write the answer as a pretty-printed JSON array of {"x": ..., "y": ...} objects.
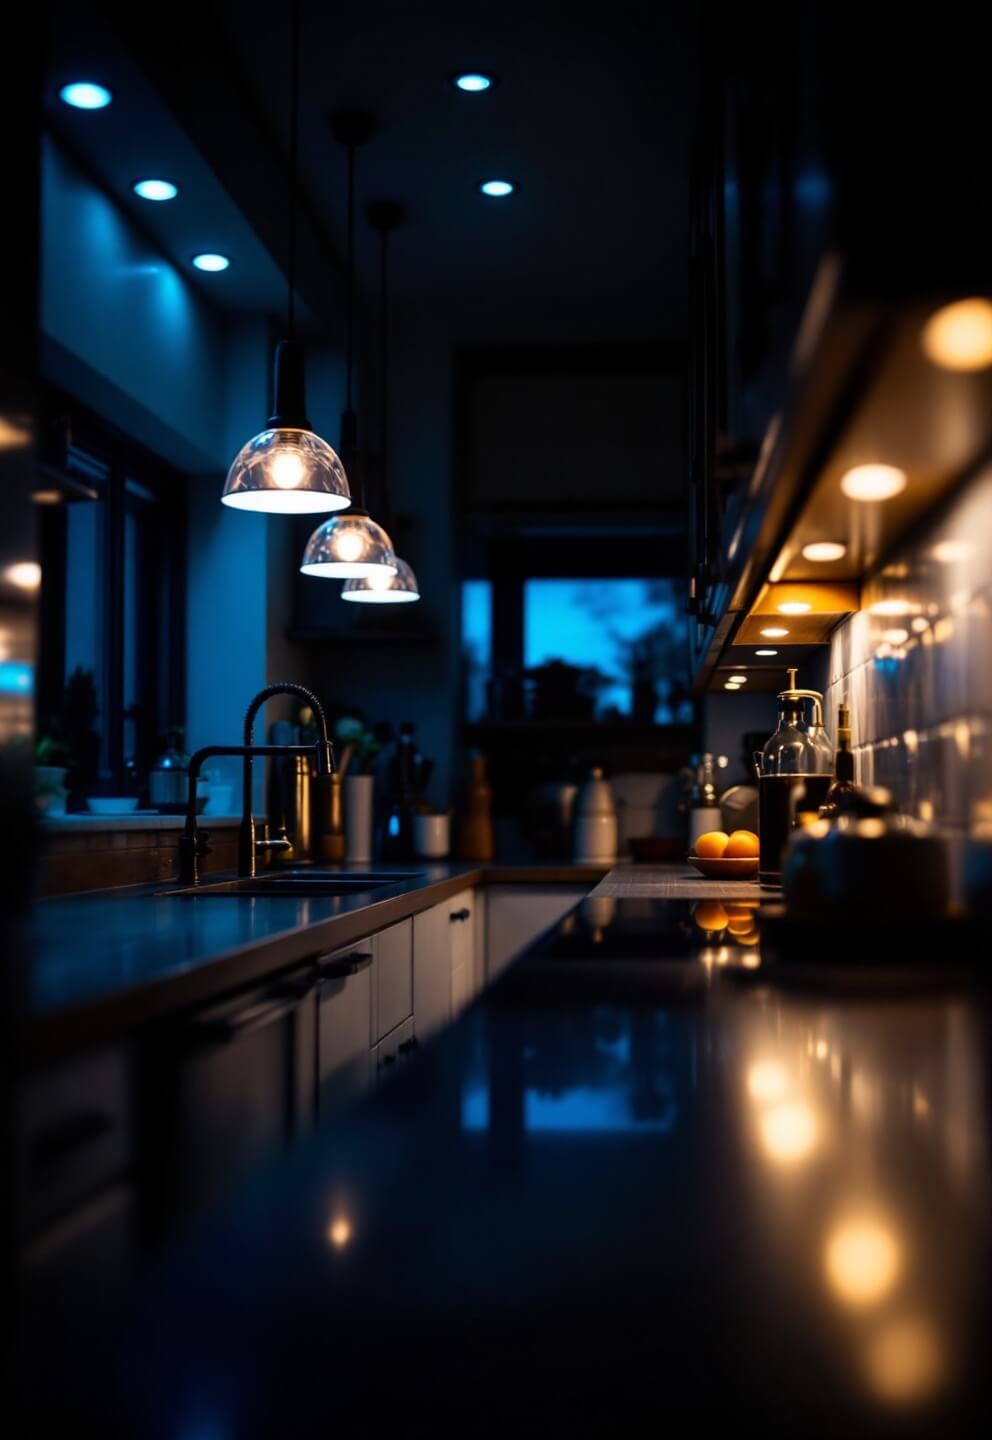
[
  {"x": 869, "y": 867},
  {"x": 795, "y": 770}
]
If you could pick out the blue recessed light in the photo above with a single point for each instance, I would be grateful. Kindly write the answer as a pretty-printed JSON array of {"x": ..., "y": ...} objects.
[
  {"x": 156, "y": 189},
  {"x": 498, "y": 189},
  {"x": 85, "y": 95},
  {"x": 211, "y": 263},
  {"x": 474, "y": 82}
]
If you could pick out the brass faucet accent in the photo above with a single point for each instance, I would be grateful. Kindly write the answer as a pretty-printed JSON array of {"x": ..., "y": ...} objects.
[{"x": 193, "y": 843}]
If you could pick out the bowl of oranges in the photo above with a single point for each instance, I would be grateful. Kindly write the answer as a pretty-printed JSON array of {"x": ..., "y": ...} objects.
[{"x": 720, "y": 856}]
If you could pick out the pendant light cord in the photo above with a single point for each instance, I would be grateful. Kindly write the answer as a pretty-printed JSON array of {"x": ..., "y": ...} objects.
[
  {"x": 384, "y": 365},
  {"x": 356, "y": 462},
  {"x": 294, "y": 159}
]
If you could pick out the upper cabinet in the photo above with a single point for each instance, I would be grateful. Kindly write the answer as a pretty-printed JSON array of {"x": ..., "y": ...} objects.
[{"x": 838, "y": 211}]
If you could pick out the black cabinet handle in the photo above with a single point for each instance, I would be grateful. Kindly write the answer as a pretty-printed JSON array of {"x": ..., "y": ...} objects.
[
  {"x": 389, "y": 1059},
  {"x": 460, "y": 915},
  {"x": 407, "y": 1045},
  {"x": 338, "y": 967}
]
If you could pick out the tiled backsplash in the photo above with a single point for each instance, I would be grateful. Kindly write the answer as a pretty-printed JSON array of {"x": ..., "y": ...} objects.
[{"x": 915, "y": 665}]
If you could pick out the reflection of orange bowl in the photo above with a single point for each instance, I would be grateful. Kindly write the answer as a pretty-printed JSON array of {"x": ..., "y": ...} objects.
[
  {"x": 743, "y": 869},
  {"x": 710, "y": 915}
]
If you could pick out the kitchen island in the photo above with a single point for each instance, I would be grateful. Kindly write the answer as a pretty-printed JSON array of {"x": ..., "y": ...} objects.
[{"x": 645, "y": 1181}]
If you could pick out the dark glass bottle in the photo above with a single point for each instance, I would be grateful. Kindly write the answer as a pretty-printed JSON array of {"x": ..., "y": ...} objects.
[{"x": 843, "y": 786}]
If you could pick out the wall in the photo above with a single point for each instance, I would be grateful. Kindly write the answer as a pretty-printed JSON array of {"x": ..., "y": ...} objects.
[{"x": 920, "y": 683}]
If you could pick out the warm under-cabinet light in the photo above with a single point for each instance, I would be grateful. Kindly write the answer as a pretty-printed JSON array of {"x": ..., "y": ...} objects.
[
  {"x": 794, "y": 607},
  {"x": 862, "y": 1260},
  {"x": 959, "y": 336},
  {"x": 873, "y": 482},
  {"x": 822, "y": 551},
  {"x": 894, "y": 606},
  {"x": 739, "y": 679},
  {"x": 731, "y": 685},
  {"x": 774, "y": 632},
  {"x": 766, "y": 652}
]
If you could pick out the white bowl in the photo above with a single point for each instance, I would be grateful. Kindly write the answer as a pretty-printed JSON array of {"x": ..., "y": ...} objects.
[{"x": 112, "y": 804}]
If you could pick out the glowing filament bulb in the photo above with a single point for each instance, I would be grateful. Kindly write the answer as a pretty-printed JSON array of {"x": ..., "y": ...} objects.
[{"x": 287, "y": 469}]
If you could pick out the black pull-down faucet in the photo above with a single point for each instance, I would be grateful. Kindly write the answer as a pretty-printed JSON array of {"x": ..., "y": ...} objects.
[{"x": 193, "y": 841}]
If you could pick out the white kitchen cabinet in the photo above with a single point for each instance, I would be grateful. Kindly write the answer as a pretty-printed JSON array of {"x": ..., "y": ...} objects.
[
  {"x": 431, "y": 971},
  {"x": 344, "y": 1026},
  {"x": 392, "y": 1001},
  {"x": 461, "y": 931},
  {"x": 516, "y": 915},
  {"x": 392, "y": 1052}
]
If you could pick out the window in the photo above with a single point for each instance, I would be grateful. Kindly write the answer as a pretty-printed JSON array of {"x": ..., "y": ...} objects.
[
  {"x": 111, "y": 671},
  {"x": 477, "y": 646}
]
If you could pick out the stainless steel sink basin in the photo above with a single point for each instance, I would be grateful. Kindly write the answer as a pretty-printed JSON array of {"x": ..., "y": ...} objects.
[{"x": 303, "y": 883}]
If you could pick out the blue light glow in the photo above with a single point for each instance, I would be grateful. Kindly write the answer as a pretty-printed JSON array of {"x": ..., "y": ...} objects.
[
  {"x": 497, "y": 189},
  {"x": 477, "y": 645},
  {"x": 85, "y": 95},
  {"x": 474, "y": 82},
  {"x": 211, "y": 263},
  {"x": 16, "y": 677},
  {"x": 156, "y": 189}
]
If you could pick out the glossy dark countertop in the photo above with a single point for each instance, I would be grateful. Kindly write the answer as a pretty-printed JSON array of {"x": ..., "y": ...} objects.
[
  {"x": 647, "y": 1181},
  {"x": 110, "y": 959}
]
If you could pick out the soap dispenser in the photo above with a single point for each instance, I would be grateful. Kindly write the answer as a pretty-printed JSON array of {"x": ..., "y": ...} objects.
[{"x": 794, "y": 775}]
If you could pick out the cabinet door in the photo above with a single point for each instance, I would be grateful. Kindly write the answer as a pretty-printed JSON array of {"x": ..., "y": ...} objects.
[
  {"x": 392, "y": 1052},
  {"x": 431, "y": 971},
  {"x": 393, "y": 978},
  {"x": 228, "y": 1088},
  {"x": 344, "y": 1027},
  {"x": 518, "y": 915},
  {"x": 461, "y": 928}
]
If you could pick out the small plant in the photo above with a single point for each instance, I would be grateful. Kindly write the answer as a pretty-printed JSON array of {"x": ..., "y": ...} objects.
[{"x": 350, "y": 732}]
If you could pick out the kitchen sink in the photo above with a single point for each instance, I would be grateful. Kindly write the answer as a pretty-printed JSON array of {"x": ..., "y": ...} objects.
[{"x": 304, "y": 883}]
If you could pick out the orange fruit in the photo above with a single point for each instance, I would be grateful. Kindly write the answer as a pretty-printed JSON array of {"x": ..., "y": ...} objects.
[
  {"x": 741, "y": 926},
  {"x": 710, "y": 915},
  {"x": 751, "y": 938},
  {"x": 712, "y": 845},
  {"x": 742, "y": 845}
]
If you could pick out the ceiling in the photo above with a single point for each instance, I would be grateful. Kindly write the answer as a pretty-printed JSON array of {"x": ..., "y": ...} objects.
[{"x": 592, "y": 117}]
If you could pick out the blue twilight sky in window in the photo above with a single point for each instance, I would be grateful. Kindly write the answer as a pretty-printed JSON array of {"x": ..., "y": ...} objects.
[
  {"x": 632, "y": 633},
  {"x": 477, "y": 644}
]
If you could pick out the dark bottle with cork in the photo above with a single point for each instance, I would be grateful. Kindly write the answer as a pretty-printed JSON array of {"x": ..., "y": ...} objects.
[
  {"x": 794, "y": 776},
  {"x": 843, "y": 787}
]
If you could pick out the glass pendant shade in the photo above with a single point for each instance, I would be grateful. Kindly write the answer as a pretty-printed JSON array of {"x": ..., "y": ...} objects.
[
  {"x": 287, "y": 469},
  {"x": 349, "y": 547},
  {"x": 383, "y": 588}
]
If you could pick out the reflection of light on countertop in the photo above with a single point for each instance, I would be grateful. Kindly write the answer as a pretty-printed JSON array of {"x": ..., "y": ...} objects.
[
  {"x": 863, "y": 1259},
  {"x": 767, "y": 1080},
  {"x": 921, "y": 1105},
  {"x": 750, "y": 960},
  {"x": 339, "y": 1232},
  {"x": 822, "y": 1049},
  {"x": 788, "y": 1133},
  {"x": 905, "y": 1361}
]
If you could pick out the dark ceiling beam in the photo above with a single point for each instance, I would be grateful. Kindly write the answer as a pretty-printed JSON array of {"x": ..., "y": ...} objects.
[{"x": 183, "y": 52}]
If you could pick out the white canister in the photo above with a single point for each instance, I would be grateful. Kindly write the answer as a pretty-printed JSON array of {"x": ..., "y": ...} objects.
[
  {"x": 359, "y": 791},
  {"x": 595, "y": 822},
  {"x": 431, "y": 836}
]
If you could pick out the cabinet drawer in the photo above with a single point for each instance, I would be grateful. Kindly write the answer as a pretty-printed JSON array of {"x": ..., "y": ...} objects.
[
  {"x": 392, "y": 1052},
  {"x": 344, "y": 1026},
  {"x": 73, "y": 1134},
  {"x": 393, "y": 978}
]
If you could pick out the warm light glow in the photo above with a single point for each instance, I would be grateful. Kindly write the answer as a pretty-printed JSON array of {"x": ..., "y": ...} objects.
[
  {"x": 286, "y": 469},
  {"x": 25, "y": 574},
  {"x": 739, "y": 679},
  {"x": 766, "y": 652},
  {"x": 822, "y": 1050},
  {"x": 862, "y": 1260},
  {"x": 951, "y": 552},
  {"x": 959, "y": 336},
  {"x": 774, "y": 632},
  {"x": 348, "y": 546},
  {"x": 339, "y": 1232},
  {"x": 824, "y": 550},
  {"x": 905, "y": 1361},
  {"x": 788, "y": 1133},
  {"x": 894, "y": 607},
  {"x": 381, "y": 588},
  {"x": 873, "y": 482},
  {"x": 793, "y": 607},
  {"x": 896, "y": 637},
  {"x": 766, "y": 1081},
  {"x": 13, "y": 437},
  {"x": 731, "y": 685},
  {"x": 46, "y": 497}
]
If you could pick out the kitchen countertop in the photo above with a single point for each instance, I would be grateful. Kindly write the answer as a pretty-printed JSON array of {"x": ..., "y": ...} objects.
[
  {"x": 645, "y": 1180},
  {"x": 106, "y": 961},
  {"x": 675, "y": 882}
]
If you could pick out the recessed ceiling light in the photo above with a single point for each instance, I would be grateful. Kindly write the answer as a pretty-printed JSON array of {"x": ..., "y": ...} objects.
[
  {"x": 959, "y": 336},
  {"x": 766, "y": 652},
  {"x": 498, "y": 189},
  {"x": 873, "y": 482},
  {"x": 949, "y": 552},
  {"x": 474, "y": 82},
  {"x": 25, "y": 574},
  {"x": 738, "y": 679},
  {"x": 156, "y": 189},
  {"x": 793, "y": 607},
  {"x": 86, "y": 95},
  {"x": 892, "y": 607},
  {"x": 211, "y": 263},
  {"x": 731, "y": 685},
  {"x": 774, "y": 632},
  {"x": 824, "y": 550}
]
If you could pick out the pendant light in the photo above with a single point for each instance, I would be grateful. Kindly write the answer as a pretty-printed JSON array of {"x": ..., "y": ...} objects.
[
  {"x": 287, "y": 469},
  {"x": 352, "y": 546},
  {"x": 400, "y": 588}
]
